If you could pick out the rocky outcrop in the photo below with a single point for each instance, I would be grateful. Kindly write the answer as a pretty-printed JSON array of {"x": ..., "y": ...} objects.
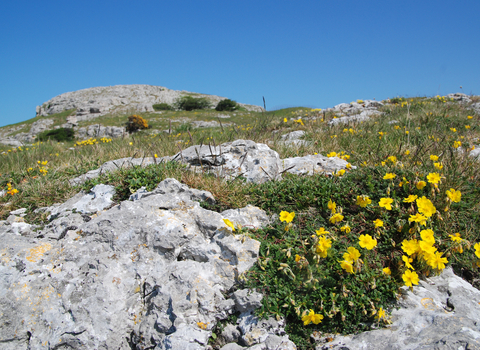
[
  {"x": 93, "y": 102},
  {"x": 442, "y": 312},
  {"x": 159, "y": 271},
  {"x": 256, "y": 162}
]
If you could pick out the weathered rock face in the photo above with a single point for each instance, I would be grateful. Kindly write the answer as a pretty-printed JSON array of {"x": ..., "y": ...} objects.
[
  {"x": 93, "y": 102},
  {"x": 155, "y": 272},
  {"x": 443, "y": 312},
  {"x": 256, "y": 162}
]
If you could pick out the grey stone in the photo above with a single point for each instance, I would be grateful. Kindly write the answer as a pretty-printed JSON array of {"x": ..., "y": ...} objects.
[
  {"x": 99, "y": 198},
  {"x": 153, "y": 272},
  {"x": 249, "y": 217},
  {"x": 93, "y": 102},
  {"x": 232, "y": 346},
  {"x": 256, "y": 162},
  {"x": 247, "y": 300},
  {"x": 356, "y": 118},
  {"x": 459, "y": 97},
  {"x": 294, "y": 135},
  {"x": 475, "y": 153},
  {"x": 442, "y": 312},
  {"x": 314, "y": 164},
  {"x": 19, "y": 211},
  {"x": 230, "y": 334},
  {"x": 98, "y": 130}
]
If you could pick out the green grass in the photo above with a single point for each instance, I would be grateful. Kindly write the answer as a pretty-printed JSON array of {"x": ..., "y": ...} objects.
[{"x": 291, "y": 273}]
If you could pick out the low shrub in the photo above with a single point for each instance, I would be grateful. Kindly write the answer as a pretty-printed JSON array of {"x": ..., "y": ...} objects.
[
  {"x": 189, "y": 103},
  {"x": 226, "y": 105},
  {"x": 60, "y": 135},
  {"x": 135, "y": 123},
  {"x": 162, "y": 107}
]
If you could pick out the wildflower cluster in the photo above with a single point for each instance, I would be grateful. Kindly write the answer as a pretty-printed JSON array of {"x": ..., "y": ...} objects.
[{"x": 92, "y": 141}]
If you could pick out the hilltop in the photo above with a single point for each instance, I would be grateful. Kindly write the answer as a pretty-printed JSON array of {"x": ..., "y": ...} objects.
[{"x": 71, "y": 108}]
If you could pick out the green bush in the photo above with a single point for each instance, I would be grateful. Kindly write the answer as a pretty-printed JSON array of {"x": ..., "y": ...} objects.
[
  {"x": 226, "y": 105},
  {"x": 189, "y": 103},
  {"x": 60, "y": 135},
  {"x": 162, "y": 107},
  {"x": 135, "y": 122}
]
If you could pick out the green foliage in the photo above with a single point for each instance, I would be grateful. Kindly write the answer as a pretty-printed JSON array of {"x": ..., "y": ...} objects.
[
  {"x": 295, "y": 277},
  {"x": 135, "y": 123},
  {"x": 189, "y": 103},
  {"x": 60, "y": 135},
  {"x": 182, "y": 128},
  {"x": 162, "y": 107},
  {"x": 226, "y": 105}
]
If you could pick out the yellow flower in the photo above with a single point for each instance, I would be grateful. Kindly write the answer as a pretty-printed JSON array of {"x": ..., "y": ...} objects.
[
  {"x": 410, "y": 247},
  {"x": 387, "y": 271},
  {"x": 425, "y": 206},
  {"x": 467, "y": 127},
  {"x": 411, "y": 198},
  {"x": 336, "y": 218},
  {"x": 433, "y": 178},
  {"x": 352, "y": 254},
  {"x": 363, "y": 201},
  {"x": 421, "y": 184},
  {"x": 155, "y": 155},
  {"x": 347, "y": 265},
  {"x": 410, "y": 277},
  {"x": 389, "y": 176},
  {"x": 393, "y": 159},
  {"x": 456, "y": 237},
  {"x": 297, "y": 258},
  {"x": 457, "y": 144},
  {"x": 321, "y": 231},
  {"x": 436, "y": 261},
  {"x": 332, "y": 206},
  {"x": 454, "y": 196},
  {"x": 469, "y": 117},
  {"x": 407, "y": 152},
  {"x": 427, "y": 236},
  {"x": 285, "y": 120},
  {"x": 433, "y": 157},
  {"x": 438, "y": 166},
  {"x": 345, "y": 229},
  {"x": 341, "y": 172},
  {"x": 229, "y": 224},
  {"x": 380, "y": 314},
  {"x": 407, "y": 262},
  {"x": 386, "y": 203},
  {"x": 331, "y": 154},
  {"x": 378, "y": 223},
  {"x": 426, "y": 248},
  {"x": 323, "y": 245},
  {"x": 311, "y": 317},
  {"x": 477, "y": 250},
  {"x": 366, "y": 241},
  {"x": 286, "y": 216}
]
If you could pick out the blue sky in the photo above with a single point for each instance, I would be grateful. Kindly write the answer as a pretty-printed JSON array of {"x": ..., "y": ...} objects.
[{"x": 295, "y": 53}]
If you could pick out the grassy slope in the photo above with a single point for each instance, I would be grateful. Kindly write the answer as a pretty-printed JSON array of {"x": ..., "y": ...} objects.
[{"x": 348, "y": 302}]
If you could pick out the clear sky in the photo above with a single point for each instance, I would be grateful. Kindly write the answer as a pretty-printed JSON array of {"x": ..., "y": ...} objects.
[{"x": 309, "y": 53}]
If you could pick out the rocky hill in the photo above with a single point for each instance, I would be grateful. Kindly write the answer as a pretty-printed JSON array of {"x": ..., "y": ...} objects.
[{"x": 93, "y": 102}]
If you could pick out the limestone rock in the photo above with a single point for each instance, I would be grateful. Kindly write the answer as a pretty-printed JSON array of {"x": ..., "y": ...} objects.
[
  {"x": 97, "y": 130},
  {"x": 147, "y": 273},
  {"x": 93, "y": 102},
  {"x": 442, "y": 312},
  {"x": 314, "y": 164},
  {"x": 117, "y": 164},
  {"x": 249, "y": 217},
  {"x": 256, "y": 162}
]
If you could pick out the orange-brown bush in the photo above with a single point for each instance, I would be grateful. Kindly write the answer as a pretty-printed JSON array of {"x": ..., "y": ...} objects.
[{"x": 135, "y": 122}]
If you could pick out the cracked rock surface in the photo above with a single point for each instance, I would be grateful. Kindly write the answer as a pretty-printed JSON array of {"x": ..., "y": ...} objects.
[{"x": 153, "y": 272}]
